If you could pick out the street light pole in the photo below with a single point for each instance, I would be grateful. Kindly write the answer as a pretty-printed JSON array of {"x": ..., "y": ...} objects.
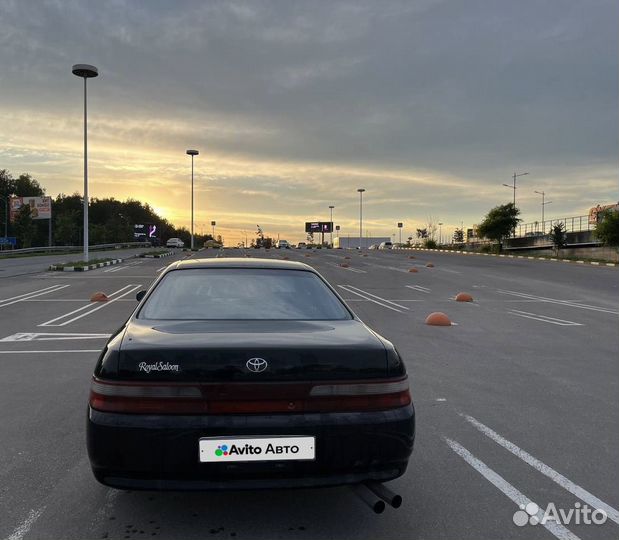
[
  {"x": 544, "y": 203},
  {"x": 192, "y": 153},
  {"x": 514, "y": 184},
  {"x": 331, "y": 208},
  {"x": 440, "y": 233},
  {"x": 85, "y": 71},
  {"x": 360, "y": 190}
]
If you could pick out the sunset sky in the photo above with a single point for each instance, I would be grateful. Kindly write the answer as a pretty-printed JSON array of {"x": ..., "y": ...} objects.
[{"x": 428, "y": 105}]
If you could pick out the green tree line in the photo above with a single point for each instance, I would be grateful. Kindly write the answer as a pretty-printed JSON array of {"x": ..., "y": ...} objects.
[{"x": 109, "y": 220}]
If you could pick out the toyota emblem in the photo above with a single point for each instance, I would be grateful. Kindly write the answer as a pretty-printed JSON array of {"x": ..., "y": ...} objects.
[{"x": 256, "y": 365}]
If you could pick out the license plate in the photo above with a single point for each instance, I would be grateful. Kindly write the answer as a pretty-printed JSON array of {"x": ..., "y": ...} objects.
[{"x": 220, "y": 450}]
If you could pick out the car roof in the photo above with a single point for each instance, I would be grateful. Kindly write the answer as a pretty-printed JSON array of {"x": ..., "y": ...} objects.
[{"x": 237, "y": 262}]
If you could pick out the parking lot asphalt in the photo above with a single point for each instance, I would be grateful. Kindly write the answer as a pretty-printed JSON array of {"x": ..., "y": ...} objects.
[{"x": 516, "y": 402}]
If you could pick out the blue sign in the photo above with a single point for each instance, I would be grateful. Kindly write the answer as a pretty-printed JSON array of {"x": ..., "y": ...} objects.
[{"x": 8, "y": 240}]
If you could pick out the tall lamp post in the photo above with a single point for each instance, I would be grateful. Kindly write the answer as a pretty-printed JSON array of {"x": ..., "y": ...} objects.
[
  {"x": 85, "y": 71},
  {"x": 514, "y": 184},
  {"x": 440, "y": 233},
  {"x": 360, "y": 190},
  {"x": 544, "y": 203},
  {"x": 192, "y": 153},
  {"x": 331, "y": 207}
]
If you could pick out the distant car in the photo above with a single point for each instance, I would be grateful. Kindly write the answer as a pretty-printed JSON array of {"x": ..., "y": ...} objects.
[
  {"x": 175, "y": 243},
  {"x": 212, "y": 244},
  {"x": 373, "y": 246},
  {"x": 301, "y": 245},
  {"x": 385, "y": 245},
  {"x": 283, "y": 244},
  {"x": 237, "y": 374}
]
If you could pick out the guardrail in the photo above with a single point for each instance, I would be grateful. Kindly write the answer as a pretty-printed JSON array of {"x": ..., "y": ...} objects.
[{"x": 60, "y": 249}]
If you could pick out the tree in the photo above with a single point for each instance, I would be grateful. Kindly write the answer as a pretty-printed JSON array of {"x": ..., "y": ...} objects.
[
  {"x": 422, "y": 233},
  {"x": 26, "y": 186},
  {"x": 24, "y": 227},
  {"x": 558, "y": 236},
  {"x": 499, "y": 223},
  {"x": 458, "y": 236},
  {"x": 607, "y": 228}
]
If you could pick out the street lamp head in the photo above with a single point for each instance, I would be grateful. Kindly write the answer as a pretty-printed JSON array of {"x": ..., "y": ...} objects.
[
  {"x": 361, "y": 190},
  {"x": 85, "y": 70},
  {"x": 540, "y": 192},
  {"x": 510, "y": 187},
  {"x": 192, "y": 152},
  {"x": 332, "y": 207}
]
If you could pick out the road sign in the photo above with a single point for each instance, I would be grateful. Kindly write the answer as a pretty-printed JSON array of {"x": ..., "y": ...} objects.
[
  {"x": 8, "y": 240},
  {"x": 400, "y": 224}
]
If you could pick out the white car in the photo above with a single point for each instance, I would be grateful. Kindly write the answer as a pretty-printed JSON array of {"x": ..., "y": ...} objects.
[
  {"x": 385, "y": 245},
  {"x": 283, "y": 244},
  {"x": 175, "y": 243}
]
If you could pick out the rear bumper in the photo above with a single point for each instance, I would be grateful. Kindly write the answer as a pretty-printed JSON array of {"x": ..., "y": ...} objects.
[{"x": 161, "y": 452}]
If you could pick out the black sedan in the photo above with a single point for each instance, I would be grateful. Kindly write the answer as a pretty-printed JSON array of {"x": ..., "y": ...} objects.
[{"x": 237, "y": 374}]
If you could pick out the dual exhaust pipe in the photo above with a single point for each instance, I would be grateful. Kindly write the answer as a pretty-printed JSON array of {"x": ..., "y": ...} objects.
[{"x": 375, "y": 495}]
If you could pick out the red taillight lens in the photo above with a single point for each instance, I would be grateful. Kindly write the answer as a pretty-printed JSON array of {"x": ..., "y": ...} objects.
[
  {"x": 248, "y": 398},
  {"x": 146, "y": 398}
]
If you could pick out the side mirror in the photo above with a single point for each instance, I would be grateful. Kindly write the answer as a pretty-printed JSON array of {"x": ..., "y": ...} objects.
[{"x": 140, "y": 295}]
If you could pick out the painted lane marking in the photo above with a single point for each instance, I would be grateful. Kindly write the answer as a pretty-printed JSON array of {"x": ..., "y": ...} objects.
[
  {"x": 419, "y": 288},
  {"x": 41, "y": 292},
  {"x": 53, "y": 351},
  {"x": 378, "y": 297},
  {"x": 97, "y": 308},
  {"x": 542, "y": 318},
  {"x": 546, "y": 470},
  {"x": 370, "y": 299},
  {"x": 28, "y": 293},
  {"x": 356, "y": 270},
  {"x": 113, "y": 297},
  {"x": 160, "y": 269},
  {"x": 23, "y": 529},
  {"x": 51, "y": 336},
  {"x": 509, "y": 491},
  {"x": 569, "y": 303}
]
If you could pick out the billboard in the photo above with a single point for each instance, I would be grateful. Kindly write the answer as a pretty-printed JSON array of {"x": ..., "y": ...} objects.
[
  {"x": 318, "y": 226},
  {"x": 143, "y": 231},
  {"x": 40, "y": 207}
]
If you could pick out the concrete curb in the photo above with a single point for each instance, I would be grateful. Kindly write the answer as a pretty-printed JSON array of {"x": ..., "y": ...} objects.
[
  {"x": 60, "y": 268},
  {"x": 592, "y": 263},
  {"x": 158, "y": 256}
]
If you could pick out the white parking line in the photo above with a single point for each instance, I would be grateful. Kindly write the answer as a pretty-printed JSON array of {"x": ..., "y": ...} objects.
[
  {"x": 569, "y": 303},
  {"x": 555, "y": 476},
  {"x": 114, "y": 297},
  {"x": 24, "y": 527},
  {"x": 51, "y": 336},
  {"x": 33, "y": 294},
  {"x": 419, "y": 288},
  {"x": 542, "y": 318},
  {"x": 378, "y": 297},
  {"x": 509, "y": 491},
  {"x": 370, "y": 299}
]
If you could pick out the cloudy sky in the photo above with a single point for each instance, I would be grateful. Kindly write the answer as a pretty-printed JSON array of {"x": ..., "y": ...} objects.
[{"x": 429, "y": 105}]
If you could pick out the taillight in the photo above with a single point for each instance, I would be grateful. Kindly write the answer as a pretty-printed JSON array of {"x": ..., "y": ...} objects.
[
  {"x": 361, "y": 396},
  {"x": 146, "y": 398},
  {"x": 248, "y": 398}
]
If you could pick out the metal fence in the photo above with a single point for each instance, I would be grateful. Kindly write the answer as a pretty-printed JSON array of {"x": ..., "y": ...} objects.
[
  {"x": 540, "y": 228},
  {"x": 60, "y": 249}
]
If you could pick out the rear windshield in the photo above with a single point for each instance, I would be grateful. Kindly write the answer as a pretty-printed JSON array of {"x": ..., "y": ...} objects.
[{"x": 242, "y": 293}]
